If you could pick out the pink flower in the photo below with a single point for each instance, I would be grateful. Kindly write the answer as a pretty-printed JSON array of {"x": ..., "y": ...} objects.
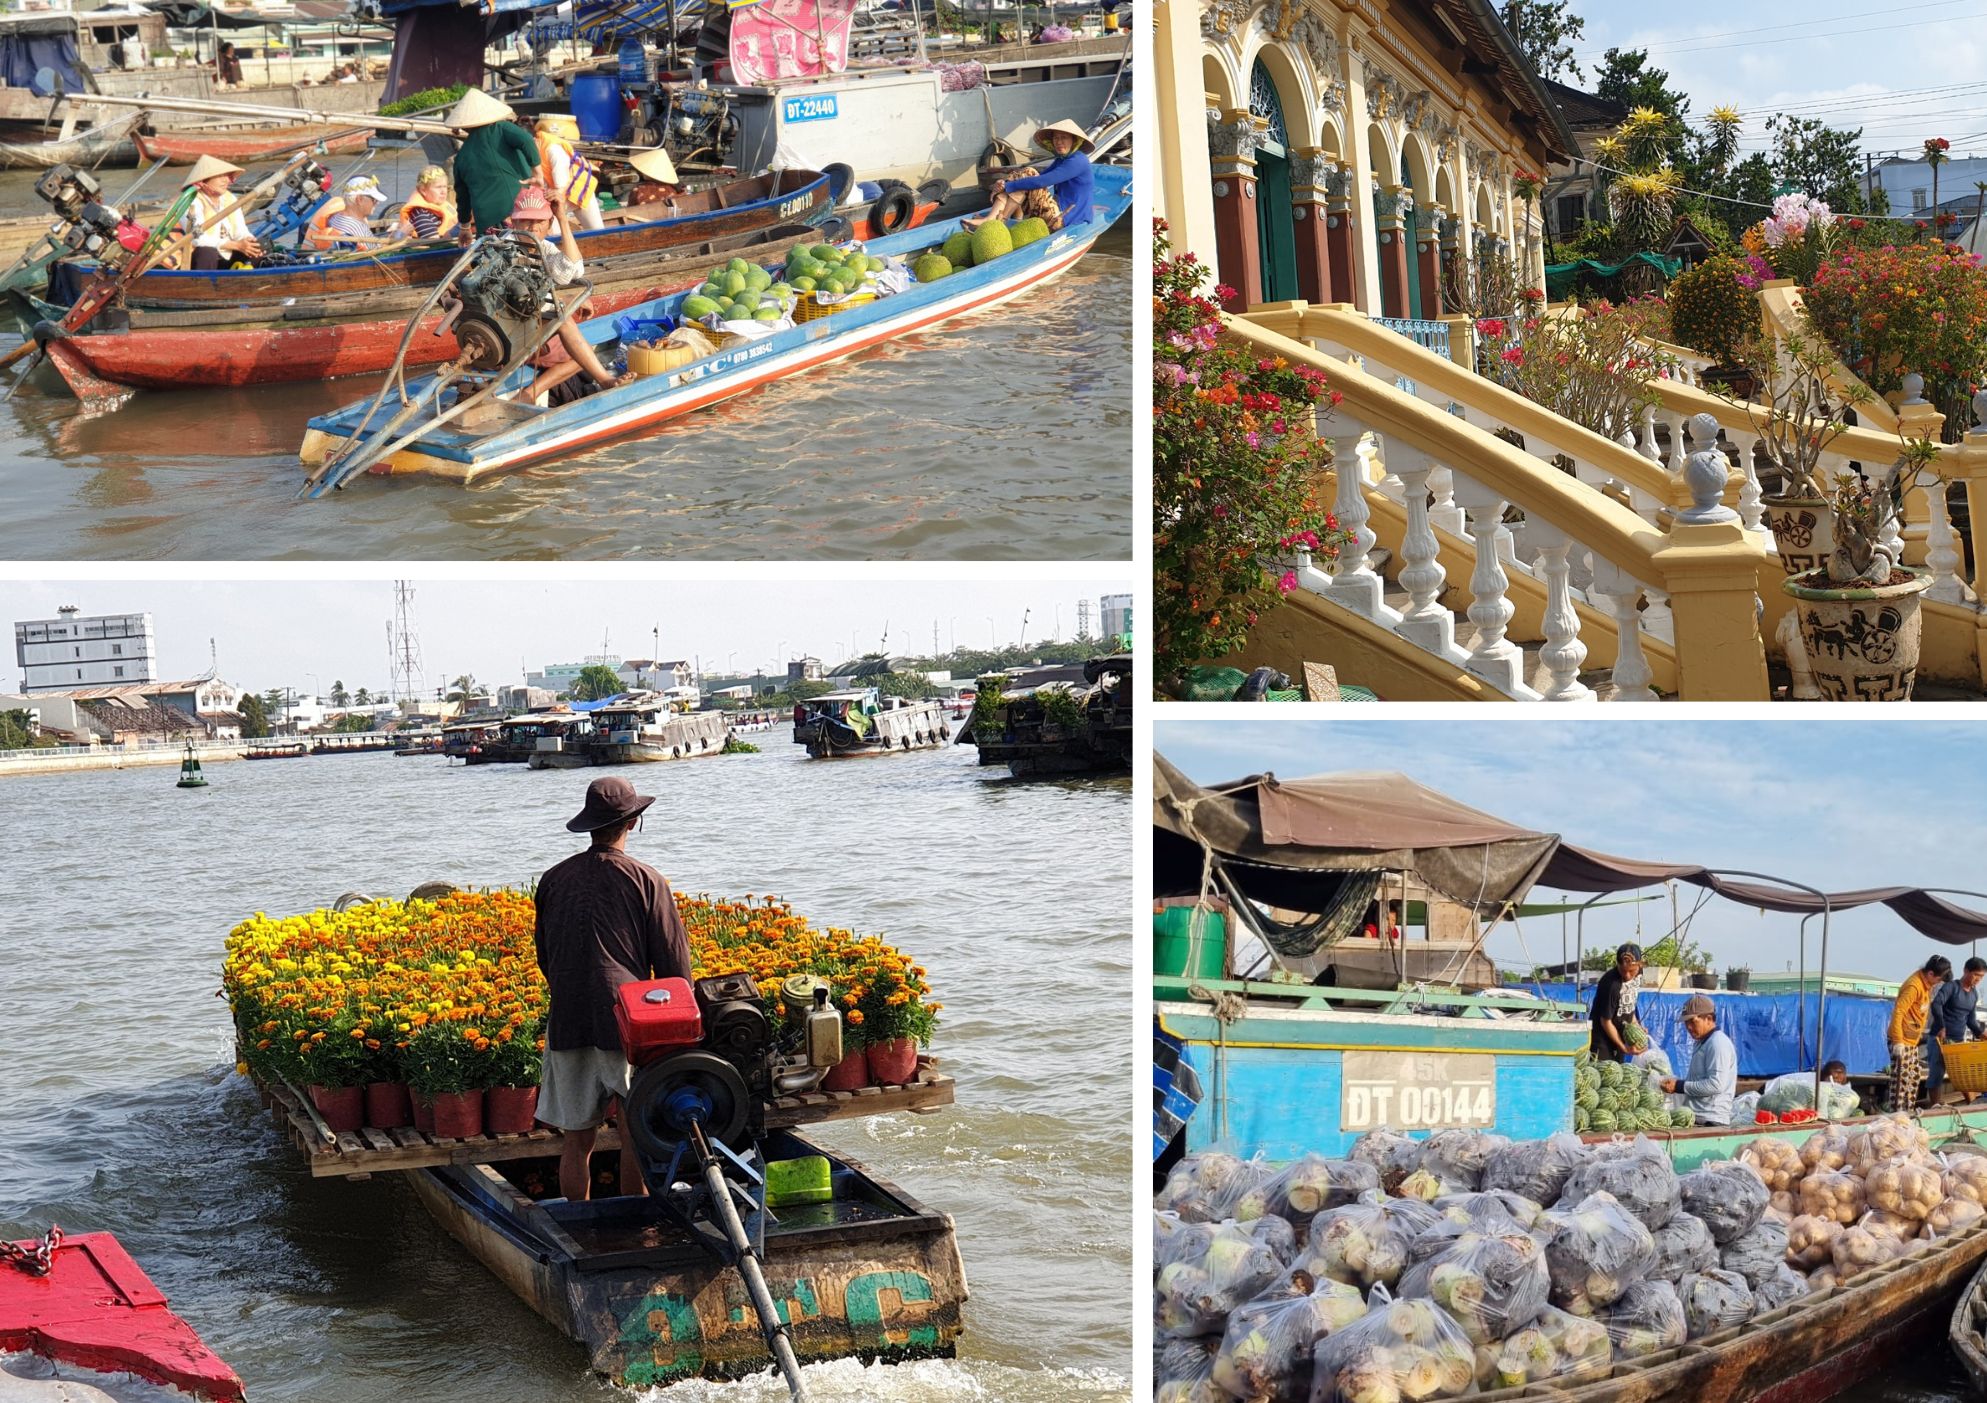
[
  {"x": 1513, "y": 355},
  {"x": 1225, "y": 292},
  {"x": 1287, "y": 583}
]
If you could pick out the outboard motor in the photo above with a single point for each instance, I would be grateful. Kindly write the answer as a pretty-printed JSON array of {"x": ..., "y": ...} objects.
[
  {"x": 87, "y": 225},
  {"x": 502, "y": 302}
]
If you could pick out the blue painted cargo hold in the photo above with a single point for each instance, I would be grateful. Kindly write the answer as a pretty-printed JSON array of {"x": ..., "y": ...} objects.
[
  {"x": 1275, "y": 1079},
  {"x": 1770, "y": 1031}
]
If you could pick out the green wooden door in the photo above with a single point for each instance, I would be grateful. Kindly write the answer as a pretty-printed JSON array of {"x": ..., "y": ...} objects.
[
  {"x": 1410, "y": 231},
  {"x": 1275, "y": 237}
]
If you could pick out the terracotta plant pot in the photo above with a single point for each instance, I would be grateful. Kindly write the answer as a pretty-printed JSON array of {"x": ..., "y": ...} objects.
[
  {"x": 424, "y": 1114},
  {"x": 509, "y": 1110},
  {"x": 850, "y": 1074},
  {"x": 343, "y": 1107},
  {"x": 894, "y": 1063},
  {"x": 1803, "y": 531},
  {"x": 458, "y": 1114},
  {"x": 1862, "y": 643},
  {"x": 388, "y": 1107}
]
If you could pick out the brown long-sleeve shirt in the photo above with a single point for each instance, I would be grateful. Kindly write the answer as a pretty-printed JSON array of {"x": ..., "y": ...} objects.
[{"x": 604, "y": 919}]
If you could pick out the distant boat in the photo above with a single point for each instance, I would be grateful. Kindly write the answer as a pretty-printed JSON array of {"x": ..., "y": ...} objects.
[
  {"x": 184, "y": 147},
  {"x": 189, "y": 771},
  {"x": 862, "y": 722}
]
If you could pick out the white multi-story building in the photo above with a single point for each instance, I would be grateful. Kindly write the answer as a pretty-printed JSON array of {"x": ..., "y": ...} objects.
[
  {"x": 560, "y": 677},
  {"x": 1116, "y": 609},
  {"x": 84, "y": 650}
]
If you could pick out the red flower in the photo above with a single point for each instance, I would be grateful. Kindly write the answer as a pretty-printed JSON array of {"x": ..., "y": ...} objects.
[{"x": 1225, "y": 292}]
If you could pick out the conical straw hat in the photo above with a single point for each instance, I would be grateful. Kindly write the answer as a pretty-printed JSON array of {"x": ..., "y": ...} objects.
[
  {"x": 655, "y": 165},
  {"x": 478, "y": 109},
  {"x": 1068, "y": 128},
  {"x": 206, "y": 168}
]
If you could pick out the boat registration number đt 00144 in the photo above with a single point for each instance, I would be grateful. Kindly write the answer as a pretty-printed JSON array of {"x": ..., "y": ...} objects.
[
  {"x": 1417, "y": 1091},
  {"x": 817, "y": 108}
]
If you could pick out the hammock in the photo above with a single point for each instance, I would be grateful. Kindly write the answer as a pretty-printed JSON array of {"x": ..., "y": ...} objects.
[{"x": 1559, "y": 277}]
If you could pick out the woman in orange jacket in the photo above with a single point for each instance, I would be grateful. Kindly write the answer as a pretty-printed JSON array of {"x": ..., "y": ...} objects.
[{"x": 1910, "y": 1020}]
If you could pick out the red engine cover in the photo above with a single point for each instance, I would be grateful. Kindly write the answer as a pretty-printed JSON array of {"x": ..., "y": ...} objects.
[{"x": 652, "y": 1026}]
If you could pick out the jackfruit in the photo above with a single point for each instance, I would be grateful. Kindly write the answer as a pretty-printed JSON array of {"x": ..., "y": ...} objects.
[
  {"x": 1027, "y": 231},
  {"x": 958, "y": 249},
  {"x": 990, "y": 241},
  {"x": 932, "y": 267}
]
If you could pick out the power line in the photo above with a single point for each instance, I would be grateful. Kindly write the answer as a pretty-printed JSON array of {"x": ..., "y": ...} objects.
[
  {"x": 1768, "y": 28},
  {"x": 1674, "y": 52}
]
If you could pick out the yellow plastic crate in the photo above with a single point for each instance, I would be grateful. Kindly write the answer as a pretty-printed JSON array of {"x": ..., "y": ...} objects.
[
  {"x": 1966, "y": 1066},
  {"x": 806, "y": 309}
]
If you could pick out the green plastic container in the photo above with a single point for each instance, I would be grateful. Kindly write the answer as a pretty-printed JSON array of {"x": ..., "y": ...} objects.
[
  {"x": 794, "y": 1181},
  {"x": 1175, "y": 946}
]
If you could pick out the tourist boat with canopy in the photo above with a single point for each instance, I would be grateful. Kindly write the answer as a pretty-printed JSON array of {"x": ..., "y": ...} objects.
[
  {"x": 425, "y": 425},
  {"x": 862, "y": 721}
]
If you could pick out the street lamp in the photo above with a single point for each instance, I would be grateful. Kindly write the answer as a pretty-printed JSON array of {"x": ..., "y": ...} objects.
[{"x": 728, "y": 660}]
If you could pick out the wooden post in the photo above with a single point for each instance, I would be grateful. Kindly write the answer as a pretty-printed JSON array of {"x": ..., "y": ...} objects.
[
  {"x": 1232, "y": 146},
  {"x": 1309, "y": 215},
  {"x": 1391, "y": 239}
]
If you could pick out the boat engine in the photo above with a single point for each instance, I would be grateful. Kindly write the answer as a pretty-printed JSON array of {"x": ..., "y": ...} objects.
[
  {"x": 87, "y": 224},
  {"x": 500, "y": 303},
  {"x": 297, "y": 198}
]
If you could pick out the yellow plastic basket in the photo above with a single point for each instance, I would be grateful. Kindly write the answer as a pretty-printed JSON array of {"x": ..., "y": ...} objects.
[
  {"x": 1966, "y": 1066},
  {"x": 806, "y": 309}
]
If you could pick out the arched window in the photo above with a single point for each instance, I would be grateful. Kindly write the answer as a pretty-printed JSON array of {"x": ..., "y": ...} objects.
[
  {"x": 1275, "y": 238},
  {"x": 1265, "y": 103}
]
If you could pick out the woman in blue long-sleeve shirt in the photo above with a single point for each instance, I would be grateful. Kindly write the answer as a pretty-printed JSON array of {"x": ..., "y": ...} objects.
[{"x": 1060, "y": 195}]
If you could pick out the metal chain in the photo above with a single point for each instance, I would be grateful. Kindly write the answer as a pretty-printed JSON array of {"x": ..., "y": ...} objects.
[{"x": 37, "y": 1260}]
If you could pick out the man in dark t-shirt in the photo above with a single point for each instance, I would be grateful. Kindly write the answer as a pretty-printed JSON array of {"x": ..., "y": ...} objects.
[
  {"x": 1613, "y": 1010},
  {"x": 604, "y": 920}
]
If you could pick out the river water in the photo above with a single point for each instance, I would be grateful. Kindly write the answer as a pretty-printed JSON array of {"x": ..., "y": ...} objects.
[
  {"x": 1001, "y": 436},
  {"x": 120, "y": 1109}
]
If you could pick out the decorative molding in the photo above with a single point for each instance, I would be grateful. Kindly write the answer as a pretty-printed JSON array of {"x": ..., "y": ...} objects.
[
  {"x": 1311, "y": 168},
  {"x": 1220, "y": 19},
  {"x": 1338, "y": 188},
  {"x": 1417, "y": 112},
  {"x": 1443, "y": 137},
  {"x": 1384, "y": 94},
  {"x": 1483, "y": 161},
  {"x": 1236, "y": 139},
  {"x": 1392, "y": 202}
]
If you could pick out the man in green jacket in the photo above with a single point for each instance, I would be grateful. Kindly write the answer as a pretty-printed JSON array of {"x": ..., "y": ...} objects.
[{"x": 496, "y": 158}]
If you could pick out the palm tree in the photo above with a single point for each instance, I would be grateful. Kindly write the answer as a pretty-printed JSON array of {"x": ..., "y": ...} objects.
[
  {"x": 363, "y": 698},
  {"x": 339, "y": 696},
  {"x": 1723, "y": 147},
  {"x": 465, "y": 688}
]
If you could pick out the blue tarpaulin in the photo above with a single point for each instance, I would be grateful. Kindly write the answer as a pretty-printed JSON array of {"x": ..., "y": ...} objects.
[{"x": 1767, "y": 1029}]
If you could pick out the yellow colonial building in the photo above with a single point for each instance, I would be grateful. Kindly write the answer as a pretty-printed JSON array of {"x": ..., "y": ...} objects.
[{"x": 1346, "y": 151}]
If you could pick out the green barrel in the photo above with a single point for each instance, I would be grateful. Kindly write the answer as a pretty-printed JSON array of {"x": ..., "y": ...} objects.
[{"x": 1190, "y": 943}]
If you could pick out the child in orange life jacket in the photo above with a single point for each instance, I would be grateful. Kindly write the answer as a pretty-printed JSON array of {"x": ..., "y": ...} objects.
[
  {"x": 429, "y": 213},
  {"x": 566, "y": 173}
]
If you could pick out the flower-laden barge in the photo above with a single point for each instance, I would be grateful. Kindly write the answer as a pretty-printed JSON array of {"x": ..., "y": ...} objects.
[
  {"x": 1056, "y": 720},
  {"x": 341, "y": 1012}
]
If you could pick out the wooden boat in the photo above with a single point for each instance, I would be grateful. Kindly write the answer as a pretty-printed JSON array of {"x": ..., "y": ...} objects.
[
  {"x": 348, "y": 334},
  {"x": 641, "y": 730},
  {"x": 182, "y": 147},
  {"x": 277, "y": 752},
  {"x": 1059, "y": 721},
  {"x": 835, "y": 725},
  {"x": 1967, "y": 1333},
  {"x": 108, "y": 145},
  {"x": 526, "y": 433}
]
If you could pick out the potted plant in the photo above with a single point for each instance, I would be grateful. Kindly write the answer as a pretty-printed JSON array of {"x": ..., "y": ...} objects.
[
  {"x": 1738, "y": 978},
  {"x": 335, "y": 1068},
  {"x": 896, "y": 1019},
  {"x": 852, "y": 1072},
  {"x": 510, "y": 1102},
  {"x": 447, "y": 1075},
  {"x": 388, "y": 1102},
  {"x": 1702, "y": 978},
  {"x": 1714, "y": 308}
]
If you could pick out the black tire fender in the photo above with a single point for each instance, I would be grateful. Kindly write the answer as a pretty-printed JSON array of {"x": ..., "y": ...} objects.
[{"x": 893, "y": 210}]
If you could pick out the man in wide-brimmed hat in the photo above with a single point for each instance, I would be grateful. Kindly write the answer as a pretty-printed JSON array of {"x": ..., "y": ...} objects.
[
  {"x": 497, "y": 156},
  {"x": 223, "y": 241},
  {"x": 1058, "y": 196},
  {"x": 604, "y": 919}
]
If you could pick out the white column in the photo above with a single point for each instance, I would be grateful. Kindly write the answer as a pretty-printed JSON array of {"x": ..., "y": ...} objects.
[
  {"x": 1563, "y": 652},
  {"x": 1355, "y": 584},
  {"x": 1366, "y": 276},
  {"x": 1941, "y": 547},
  {"x": 1493, "y": 657},
  {"x": 1425, "y": 622},
  {"x": 1618, "y": 592}
]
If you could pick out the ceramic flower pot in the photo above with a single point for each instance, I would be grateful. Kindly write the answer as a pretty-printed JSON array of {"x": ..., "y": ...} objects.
[
  {"x": 388, "y": 1106},
  {"x": 850, "y": 1074},
  {"x": 509, "y": 1110},
  {"x": 458, "y": 1114},
  {"x": 894, "y": 1063},
  {"x": 343, "y": 1107},
  {"x": 1862, "y": 642},
  {"x": 424, "y": 1114},
  {"x": 1803, "y": 531}
]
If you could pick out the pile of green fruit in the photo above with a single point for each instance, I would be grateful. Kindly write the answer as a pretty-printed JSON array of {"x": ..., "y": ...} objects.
[
  {"x": 825, "y": 268},
  {"x": 1610, "y": 1096},
  {"x": 984, "y": 244},
  {"x": 739, "y": 292}
]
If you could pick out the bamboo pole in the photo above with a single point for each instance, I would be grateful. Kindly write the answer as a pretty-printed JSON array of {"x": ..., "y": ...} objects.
[{"x": 214, "y": 108}]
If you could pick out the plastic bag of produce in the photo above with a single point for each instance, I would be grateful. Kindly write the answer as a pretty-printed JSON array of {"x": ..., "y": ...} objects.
[
  {"x": 1366, "y": 1243},
  {"x": 1745, "y": 1108},
  {"x": 1398, "y": 1352},
  {"x": 1965, "y": 1176},
  {"x": 1490, "y": 1206},
  {"x": 1955, "y": 1215},
  {"x": 1714, "y": 1300},
  {"x": 1184, "y": 1362},
  {"x": 1197, "y": 1182},
  {"x": 1886, "y": 1138},
  {"x": 1861, "y": 1246},
  {"x": 1823, "y": 1277},
  {"x": 1457, "y": 1158},
  {"x": 1597, "y": 1250},
  {"x": 1834, "y": 1194},
  {"x": 1305, "y": 1188},
  {"x": 1422, "y": 1185},
  {"x": 1646, "y": 1318},
  {"x": 1756, "y": 1253},
  {"x": 1791, "y": 1091},
  {"x": 1395, "y": 1155},
  {"x": 1727, "y": 1194},
  {"x": 1243, "y": 1194},
  {"x": 1826, "y": 1149},
  {"x": 1777, "y": 1162},
  {"x": 1490, "y": 1283},
  {"x": 1554, "y": 1346},
  {"x": 1683, "y": 1245},
  {"x": 1811, "y": 1241},
  {"x": 1907, "y": 1187},
  {"x": 1654, "y": 1062},
  {"x": 1896, "y": 1224},
  {"x": 1267, "y": 1348},
  {"x": 1194, "y": 1297},
  {"x": 1776, "y": 1289},
  {"x": 1636, "y": 1172},
  {"x": 1175, "y": 1240},
  {"x": 1782, "y": 1207},
  {"x": 1535, "y": 1170}
]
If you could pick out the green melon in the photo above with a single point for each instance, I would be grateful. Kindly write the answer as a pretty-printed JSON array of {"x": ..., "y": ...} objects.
[
  {"x": 932, "y": 267},
  {"x": 696, "y": 308},
  {"x": 827, "y": 253},
  {"x": 990, "y": 241},
  {"x": 958, "y": 249},
  {"x": 767, "y": 314},
  {"x": 1028, "y": 231},
  {"x": 1602, "y": 1120},
  {"x": 758, "y": 279},
  {"x": 737, "y": 265},
  {"x": 734, "y": 283},
  {"x": 804, "y": 285}
]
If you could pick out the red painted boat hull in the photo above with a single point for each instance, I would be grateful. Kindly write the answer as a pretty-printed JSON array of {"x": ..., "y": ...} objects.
[
  {"x": 110, "y": 365},
  {"x": 183, "y": 148},
  {"x": 97, "y": 1310}
]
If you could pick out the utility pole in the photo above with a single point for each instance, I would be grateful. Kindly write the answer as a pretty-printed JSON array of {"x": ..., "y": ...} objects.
[
  {"x": 1022, "y": 641},
  {"x": 404, "y": 648}
]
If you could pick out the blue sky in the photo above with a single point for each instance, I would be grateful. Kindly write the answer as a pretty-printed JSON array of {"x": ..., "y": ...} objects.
[
  {"x": 1836, "y": 804},
  {"x": 1850, "y": 62}
]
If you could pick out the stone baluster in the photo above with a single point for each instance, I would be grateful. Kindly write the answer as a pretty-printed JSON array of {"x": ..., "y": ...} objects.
[
  {"x": 1646, "y": 444},
  {"x": 1443, "y": 513},
  {"x": 1678, "y": 453},
  {"x": 1493, "y": 657},
  {"x": 1657, "y": 618},
  {"x": 1751, "y": 496},
  {"x": 1563, "y": 652},
  {"x": 1618, "y": 592},
  {"x": 1355, "y": 583},
  {"x": 1425, "y": 621},
  {"x": 1941, "y": 549}
]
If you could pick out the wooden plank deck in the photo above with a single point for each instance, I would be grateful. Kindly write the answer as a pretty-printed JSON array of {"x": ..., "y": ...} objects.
[{"x": 359, "y": 1154}]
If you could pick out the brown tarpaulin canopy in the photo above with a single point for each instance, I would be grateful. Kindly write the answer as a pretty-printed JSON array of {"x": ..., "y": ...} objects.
[{"x": 1388, "y": 822}]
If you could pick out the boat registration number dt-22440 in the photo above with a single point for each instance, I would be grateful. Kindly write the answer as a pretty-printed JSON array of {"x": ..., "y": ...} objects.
[
  {"x": 1417, "y": 1091},
  {"x": 820, "y": 107}
]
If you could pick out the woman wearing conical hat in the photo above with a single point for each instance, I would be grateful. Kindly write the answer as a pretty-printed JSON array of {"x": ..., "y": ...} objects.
[
  {"x": 217, "y": 243},
  {"x": 497, "y": 157},
  {"x": 1059, "y": 195},
  {"x": 659, "y": 183}
]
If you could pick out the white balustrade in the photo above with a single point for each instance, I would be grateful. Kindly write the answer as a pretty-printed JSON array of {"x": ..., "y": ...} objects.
[
  {"x": 1355, "y": 583},
  {"x": 1942, "y": 554},
  {"x": 1618, "y": 592},
  {"x": 1563, "y": 652},
  {"x": 1492, "y": 656},
  {"x": 1426, "y": 621}
]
